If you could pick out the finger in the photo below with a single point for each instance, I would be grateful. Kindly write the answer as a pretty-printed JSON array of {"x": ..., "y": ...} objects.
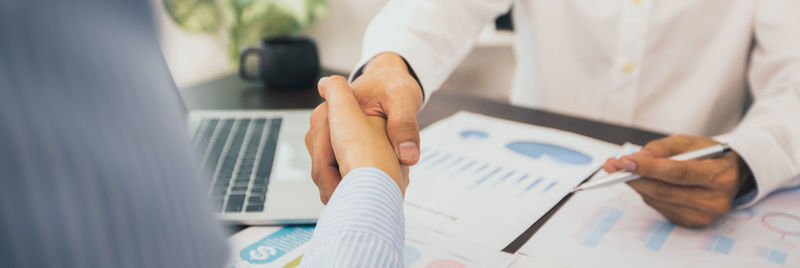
[
  {"x": 342, "y": 104},
  {"x": 403, "y": 129},
  {"x": 350, "y": 123},
  {"x": 698, "y": 198},
  {"x": 683, "y": 216},
  {"x": 690, "y": 172},
  {"x": 328, "y": 180},
  {"x": 344, "y": 112},
  {"x": 666, "y": 147},
  {"x": 315, "y": 122},
  {"x": 611, "y": 165},
  {"x": 324, "y": 171}
]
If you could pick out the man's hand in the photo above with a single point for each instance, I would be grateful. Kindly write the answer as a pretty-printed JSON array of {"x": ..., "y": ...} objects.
[
  {"x": 689, "y": 193},
  {"x": 347, "y": 138},
  {"x": 385, "y": 89}
]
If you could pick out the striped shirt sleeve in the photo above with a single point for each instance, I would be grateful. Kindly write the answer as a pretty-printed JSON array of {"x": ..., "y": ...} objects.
[{"x": 362, "y": 226}]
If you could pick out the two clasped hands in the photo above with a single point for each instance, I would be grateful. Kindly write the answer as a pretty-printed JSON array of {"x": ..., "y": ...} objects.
[{"x": 372, "y": 123}]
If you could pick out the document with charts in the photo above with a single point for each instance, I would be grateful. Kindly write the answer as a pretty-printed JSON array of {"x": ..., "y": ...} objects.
[
  {"x": 484, "y": 181},
  {"x": 269, "y": 246},
  {"x": 613, "y": 227}
]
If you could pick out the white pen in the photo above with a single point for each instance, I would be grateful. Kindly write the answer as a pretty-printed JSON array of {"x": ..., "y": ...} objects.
[{"x": 624, "y": 176}]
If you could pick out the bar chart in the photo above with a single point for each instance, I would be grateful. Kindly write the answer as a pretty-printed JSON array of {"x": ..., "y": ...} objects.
[
  {"x": 599, "y": 227},
  {"x": 657, "y": 235},
  {"x": 616, "y": 221},
  {"x": 474, "y": 170}
]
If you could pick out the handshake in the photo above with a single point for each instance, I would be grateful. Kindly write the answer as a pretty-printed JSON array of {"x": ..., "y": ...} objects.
[
  {"x": 351, "y": 130},
  {"x": 343, "y": 137}
]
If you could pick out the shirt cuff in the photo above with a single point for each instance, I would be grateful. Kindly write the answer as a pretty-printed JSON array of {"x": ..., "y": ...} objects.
[
  {"x": 367, "y": 200},
  {"x": 771, "y": 169},
  {"x": 360, "y": 70}
]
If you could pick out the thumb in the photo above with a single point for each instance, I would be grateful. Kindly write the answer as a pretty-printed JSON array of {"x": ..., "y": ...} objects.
[
  {"x": 343, "y": 108},
  {"x": 403, "y": 130}
]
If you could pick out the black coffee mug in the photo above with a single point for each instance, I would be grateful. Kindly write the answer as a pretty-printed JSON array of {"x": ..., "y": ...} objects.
[{"x": 283, "y": 62}]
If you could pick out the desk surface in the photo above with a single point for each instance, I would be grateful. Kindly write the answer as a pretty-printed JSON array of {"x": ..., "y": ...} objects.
[{"x": 230, "y": 92}]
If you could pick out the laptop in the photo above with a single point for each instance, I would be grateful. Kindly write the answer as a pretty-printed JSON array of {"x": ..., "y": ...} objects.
[{"x": 260, "y": 169}]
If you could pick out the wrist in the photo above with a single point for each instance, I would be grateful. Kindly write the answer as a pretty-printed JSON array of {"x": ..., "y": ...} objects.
[
  {"x": 746, "y": 181},
  {"x": 386, "y": 61},
  {"x": 390, "y": 66}
]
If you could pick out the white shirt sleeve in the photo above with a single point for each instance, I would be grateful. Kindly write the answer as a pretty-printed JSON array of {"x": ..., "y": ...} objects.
[
  {"x": 362, "y": 226},
  {"x": 768, "y": 139},
  {"x": 432, "y": 35}
]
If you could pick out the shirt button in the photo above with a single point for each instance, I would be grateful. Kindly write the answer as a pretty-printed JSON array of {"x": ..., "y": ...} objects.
[{"x": 628, "y": 67}]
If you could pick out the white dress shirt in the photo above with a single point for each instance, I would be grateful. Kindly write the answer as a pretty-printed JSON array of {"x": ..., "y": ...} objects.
[
  {"x": 676, "y": 66},
  {"x": 362, "y": 226}
]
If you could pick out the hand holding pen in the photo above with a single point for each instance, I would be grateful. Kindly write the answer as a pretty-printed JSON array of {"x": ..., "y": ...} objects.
[{"x": 689, "y": 193}]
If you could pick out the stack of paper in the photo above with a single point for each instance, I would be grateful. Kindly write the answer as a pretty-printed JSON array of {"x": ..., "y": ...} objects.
[
  {"x": 480, "y": 183},
  {"x": 613, "y": 227},
  {"x": 484, "y": 180}
]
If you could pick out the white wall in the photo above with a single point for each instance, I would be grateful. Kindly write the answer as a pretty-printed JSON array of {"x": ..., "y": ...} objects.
[{"x": 194, "y": 58}]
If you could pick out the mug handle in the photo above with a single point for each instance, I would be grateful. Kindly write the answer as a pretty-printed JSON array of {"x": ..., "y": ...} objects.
[{"x": 242, "y": 72}]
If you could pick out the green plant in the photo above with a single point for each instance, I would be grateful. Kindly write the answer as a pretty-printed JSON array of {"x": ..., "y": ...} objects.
[{"x": 246, "y": 21}]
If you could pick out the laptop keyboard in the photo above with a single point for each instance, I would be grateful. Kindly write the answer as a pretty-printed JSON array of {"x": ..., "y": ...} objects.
[{"x": 239, "y": 154}]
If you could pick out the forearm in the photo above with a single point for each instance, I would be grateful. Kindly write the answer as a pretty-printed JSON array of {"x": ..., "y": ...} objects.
[
  {"x": 768, "y": 139},
  {"x": 363, "y": 224}
]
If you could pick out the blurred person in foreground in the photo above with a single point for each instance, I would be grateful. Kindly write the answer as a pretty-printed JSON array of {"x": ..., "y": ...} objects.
[
  {"x": 683, "y": 67},
  {"x": 97, "y": 168},
  {"x": 97, "y": 165}
]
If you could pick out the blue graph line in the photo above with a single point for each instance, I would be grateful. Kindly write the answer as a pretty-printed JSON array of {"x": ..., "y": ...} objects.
[
  {"x": 427, "y": 157},
  {"x": 549, "y": 186},
  {"x": 530, "y": 186},
  {"x": 441, "y": 160},
  {"x": 504, "y": 178},
  {"x": 458, "y": 160},
  {"x": 465, "y": 167},
  {"x": 521, "y": 179},
  {"x": 481, "y": 168},
  {"x": 485, "y": 178},
  {"x": 601, "y": 227},
  {"x": 658, "y": 234}
]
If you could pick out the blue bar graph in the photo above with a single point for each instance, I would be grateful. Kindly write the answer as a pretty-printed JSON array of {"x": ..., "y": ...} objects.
[
  {"x": 485, "y": 178},
  {"x": 465, "y": 167},
  {"x": 658, "y": 234},
  {"x": 481, "y": 168},
  {"x": 549, "y": 186},
  {"x": 504, "y": 178},
  {"x": 455, "y": 162},
  {"x": 427, "y": 157},
  {"x": 720, "y": 244},
  {"x": 522, "y": 178},
  {"x": 441, "y": 160},
  {"x": 774, "y": 256},
  {"x": 600, "y": 227},
  {"x": 530, "y": 186}
]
